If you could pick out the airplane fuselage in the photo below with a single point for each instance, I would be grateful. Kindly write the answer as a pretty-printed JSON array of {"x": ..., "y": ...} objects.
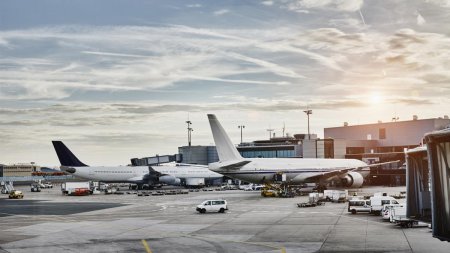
[
  {"x": 136, "y": 174},
  {"x": 297, "y": 170}
]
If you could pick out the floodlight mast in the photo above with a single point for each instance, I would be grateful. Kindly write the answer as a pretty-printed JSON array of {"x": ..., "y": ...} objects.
[
  {"x": 308, "y": 112},
  {"x": 189, "y": 128},
  {"x": 270, "y": 133},
  {"x": 241, "y": 127}
]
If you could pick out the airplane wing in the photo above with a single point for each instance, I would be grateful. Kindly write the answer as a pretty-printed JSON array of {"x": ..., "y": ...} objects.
[
  {"x": 235, "y": 166},
  {"x": 373, "y": 165},
  {"x": 328, "y": 175}
]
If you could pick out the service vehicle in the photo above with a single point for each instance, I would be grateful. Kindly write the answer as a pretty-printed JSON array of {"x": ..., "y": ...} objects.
[
  {"x": 35, "y": 188},
  {"x": 377, "y": 202},
  {"x": 14, "y": 194},
  {"x": 386, "y": 210},
  {"x": 358, "y": 205},
  {"x": 76, "y": 188},
  {"x": 216, "y": 205},
  {"x": 398, "y": 216},
  {"x": 47, "y": 185},
  {"x": 339, "y": 196}
]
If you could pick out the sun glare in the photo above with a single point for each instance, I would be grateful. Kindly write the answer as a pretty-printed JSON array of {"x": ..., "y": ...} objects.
[{"x": 376, "y": 98}]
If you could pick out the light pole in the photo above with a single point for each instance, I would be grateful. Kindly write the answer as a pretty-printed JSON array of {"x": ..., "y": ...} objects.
[
  {"x": 241, "y": 127},
  {"x": 189, "y": 128},
  {"x": 270, "y": 133},
  {"x": 308, "y": 112}
]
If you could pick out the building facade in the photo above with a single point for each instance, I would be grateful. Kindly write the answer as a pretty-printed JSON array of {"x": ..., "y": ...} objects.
[
  {"x": 20, "y": 170},
  {"x": 384, "y": 142},
  {"x": 385, "y": 137},
  {"x": 198, "y": 154},
  {"x": 276, "y": 147}
]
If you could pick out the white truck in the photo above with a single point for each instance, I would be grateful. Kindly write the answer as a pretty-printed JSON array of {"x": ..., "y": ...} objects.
[
  {"x": 377, "y": 202},
  {"x": 76, "y": 188}
]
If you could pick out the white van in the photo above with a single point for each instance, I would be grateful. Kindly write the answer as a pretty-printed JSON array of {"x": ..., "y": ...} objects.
[
  {"x": 377, "y": 202},
  {"x": 358, "y": 205},
  {"x": 212, "y": 206}
]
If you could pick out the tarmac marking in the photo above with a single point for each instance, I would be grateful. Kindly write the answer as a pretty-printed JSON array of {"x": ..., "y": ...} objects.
[
  {"x": 206, "y": 238},
  {"x": 147, "y": 248}
]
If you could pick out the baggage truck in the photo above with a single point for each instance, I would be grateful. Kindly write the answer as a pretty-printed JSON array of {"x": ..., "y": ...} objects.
[{"x": 76, "y": 188}]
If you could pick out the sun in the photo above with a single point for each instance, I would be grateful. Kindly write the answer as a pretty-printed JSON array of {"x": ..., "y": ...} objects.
[{"x": 376, "y": 98}]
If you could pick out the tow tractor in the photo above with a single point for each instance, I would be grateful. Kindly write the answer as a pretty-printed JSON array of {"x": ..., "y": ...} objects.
[
  {"x": 279, "y": 187},
  {"x": 14, "y": 194}
]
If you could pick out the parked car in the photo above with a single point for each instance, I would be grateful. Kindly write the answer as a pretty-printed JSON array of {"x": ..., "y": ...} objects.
[{"x": 212, "y": 206}]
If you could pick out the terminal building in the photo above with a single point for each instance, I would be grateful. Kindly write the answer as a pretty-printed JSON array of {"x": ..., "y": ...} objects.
[
  {"x": 383, "y": 142},
  {"x": 275, "y": 147},
  {"x": 198, "y": 154},
  {"x": 19, "y": 170},
  {"x": 371, "y": 143}
]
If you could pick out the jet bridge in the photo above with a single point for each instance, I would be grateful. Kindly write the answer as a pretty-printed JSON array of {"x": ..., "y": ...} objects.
[
  {"x": 438, "y": 147},
  {"x": 418, "y": 202}
]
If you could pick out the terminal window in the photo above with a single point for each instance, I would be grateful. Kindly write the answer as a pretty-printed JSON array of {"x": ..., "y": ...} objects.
[{"x": 382, "y": 133}]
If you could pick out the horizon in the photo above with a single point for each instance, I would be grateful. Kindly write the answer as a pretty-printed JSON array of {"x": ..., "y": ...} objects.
[{"x": 116, "y": 79}]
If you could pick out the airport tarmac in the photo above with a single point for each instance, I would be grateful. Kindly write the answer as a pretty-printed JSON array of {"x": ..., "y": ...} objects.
[{"x": 50, "y": 222}]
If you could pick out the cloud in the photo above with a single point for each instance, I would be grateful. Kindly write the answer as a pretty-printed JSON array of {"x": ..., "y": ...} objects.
[
  {"x": 221, "y": 12},
  {"x": 441, "y": 3},
  {"x": 420, "y": 19},
  {"x": 333, "y": 5},
  {"x": 267, "y": 3},
  {"x": 194, "y": 5}
]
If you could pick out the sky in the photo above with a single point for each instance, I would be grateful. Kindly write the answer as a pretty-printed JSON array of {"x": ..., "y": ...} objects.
[{"x": 118, "y": 79}]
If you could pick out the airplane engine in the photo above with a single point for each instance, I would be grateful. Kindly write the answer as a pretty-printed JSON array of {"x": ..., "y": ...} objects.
[
  {"x": 170, "y": 180},
  {"x": 353, "y": 179}
]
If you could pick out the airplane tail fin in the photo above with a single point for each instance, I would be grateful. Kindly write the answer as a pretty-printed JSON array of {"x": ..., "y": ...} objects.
[
  {"x": 65, "y": 156},
  {"x": 225, "y": 148}
]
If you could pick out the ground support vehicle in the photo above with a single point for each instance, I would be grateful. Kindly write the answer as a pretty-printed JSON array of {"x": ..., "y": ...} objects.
[
  {"x": 76, "y": 188},
  {"x": 377, "y": 202},
  {"x": 398, "y": 216},
  {"x": 405, "y": 222},
  {"x": 35, "y": 188},
  {"x": 216, "y": 205},
  {"x": 307, "y": 204},
  {"x": 358, "y": 205},
  {"x": 14, "y": 194}
]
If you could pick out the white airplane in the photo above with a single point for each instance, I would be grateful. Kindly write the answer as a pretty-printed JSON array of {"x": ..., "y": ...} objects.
[
  {"x": 297, "y": 170},
  {"x": 140, "y": 175}
]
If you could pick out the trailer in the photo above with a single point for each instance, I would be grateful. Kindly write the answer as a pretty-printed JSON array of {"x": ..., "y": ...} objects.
[
  {"x": 405, "y": 222},
  {"x": 398, "y": 216},
  {"x": 338, "y": 196}
]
